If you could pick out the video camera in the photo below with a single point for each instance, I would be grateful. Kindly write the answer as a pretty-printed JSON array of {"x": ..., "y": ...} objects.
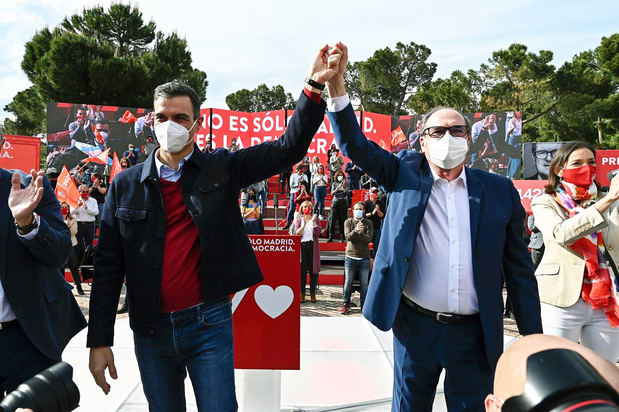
[
  {"x": 562, "y": 380},
  {"x": 52, "y": 390}
]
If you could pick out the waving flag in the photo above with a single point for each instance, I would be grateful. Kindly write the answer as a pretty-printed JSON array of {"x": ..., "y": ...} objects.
[
  {"x": 66, "y": 189},
  {"x": 88, "y": 149},
  {"x": 128, "y": 117},
  {"x": 55, "y": 137},
  {"x": 116, "y": 167},
  {"x": 397, "y": 136},
  {"x": 98, "y": 137},
  {"x": 102, "y": 158}
]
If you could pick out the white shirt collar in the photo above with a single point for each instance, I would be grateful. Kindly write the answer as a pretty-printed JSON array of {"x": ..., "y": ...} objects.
[
  {"x": 460, "y": 178},
  {"x": 161, "y": 166}
]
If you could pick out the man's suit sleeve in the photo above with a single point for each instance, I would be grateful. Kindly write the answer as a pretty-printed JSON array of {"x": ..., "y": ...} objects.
[
  {"x": 109, "y": 273},
  {"x": 518, "y": 269},
  {"x": 267, "y": 159},
  {"x": 52, "y": 244},
  {"x": 371, "y": 158}
]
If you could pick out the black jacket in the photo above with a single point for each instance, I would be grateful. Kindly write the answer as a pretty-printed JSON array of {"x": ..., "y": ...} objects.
[
  {"x": 133, "y": 226},
  {"x": 30, "y": 275}
]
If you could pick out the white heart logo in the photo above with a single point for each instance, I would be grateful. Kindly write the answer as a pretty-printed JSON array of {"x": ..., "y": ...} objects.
[{"x": 273, "y": 302}]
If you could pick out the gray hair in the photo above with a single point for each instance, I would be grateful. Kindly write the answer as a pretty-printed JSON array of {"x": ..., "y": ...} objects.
[
  {"x": 176, "y": 88},
  {"x": 426, "y": 116}
]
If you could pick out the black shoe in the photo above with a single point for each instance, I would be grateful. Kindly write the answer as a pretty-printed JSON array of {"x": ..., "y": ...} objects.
[{"x": 123, "y": 309}]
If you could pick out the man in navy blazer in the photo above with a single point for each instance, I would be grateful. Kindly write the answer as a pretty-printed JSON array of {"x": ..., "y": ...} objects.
[
  {"x": 449, "y": 234},
  {"x": 38, "y": 313}
]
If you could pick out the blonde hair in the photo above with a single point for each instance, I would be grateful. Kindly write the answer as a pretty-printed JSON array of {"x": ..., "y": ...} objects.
[{"x": 307, "y": 203}]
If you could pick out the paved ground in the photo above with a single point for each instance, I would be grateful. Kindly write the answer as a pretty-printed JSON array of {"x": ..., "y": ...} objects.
[{"x": 328, "y": 304}]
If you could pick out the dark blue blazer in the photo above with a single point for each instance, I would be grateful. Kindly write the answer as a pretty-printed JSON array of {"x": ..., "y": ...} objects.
[
  {"x": 497, "y": 220},
  {"x": 132, "y": 232},
  {"x": 29, "y": 270}
]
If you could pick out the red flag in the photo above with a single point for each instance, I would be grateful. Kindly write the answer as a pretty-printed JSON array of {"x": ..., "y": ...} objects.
[
  {"x": 397, "y": 136},
  {"x": 66, "y": 189},
  {"x": 128, "y": 117},
  {"x": 98, "y": 137},
  {"x": 102, "y": 158},
  {"x": 55, "y": 137},
  {"x": 116, "y": 167}
]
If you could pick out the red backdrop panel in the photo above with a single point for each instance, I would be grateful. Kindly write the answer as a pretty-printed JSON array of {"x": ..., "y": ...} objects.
[
  {"x": 267, "y": 316},
  {"x": 21, "y": 152}
]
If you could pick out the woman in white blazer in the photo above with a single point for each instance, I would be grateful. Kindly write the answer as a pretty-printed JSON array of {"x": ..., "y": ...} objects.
[{"x": 577, "y": 277}]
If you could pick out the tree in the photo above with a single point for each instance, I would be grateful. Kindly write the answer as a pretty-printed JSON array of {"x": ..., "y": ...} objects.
[
  {"x": 388, "y": 78},
  {"x": 31, "y": 119},
  {"x": 260, "y": 99},
  {"x": 458, "y": 91},
  {"x": 106, "y": 57},
  {"x": 587, "y": 106}
]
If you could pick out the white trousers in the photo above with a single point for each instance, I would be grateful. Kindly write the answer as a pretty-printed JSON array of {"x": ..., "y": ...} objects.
[{"x": 581, "y": 323}]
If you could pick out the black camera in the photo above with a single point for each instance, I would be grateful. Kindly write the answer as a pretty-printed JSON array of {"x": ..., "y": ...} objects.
[
  {"x": 562, "y": 380},
  {"x": 52, "y": 390}
]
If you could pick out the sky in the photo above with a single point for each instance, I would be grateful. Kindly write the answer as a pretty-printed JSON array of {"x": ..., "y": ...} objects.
[{"x": 241, "y": 44}]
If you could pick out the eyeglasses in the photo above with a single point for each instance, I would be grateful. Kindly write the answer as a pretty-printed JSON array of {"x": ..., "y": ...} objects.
[
  {"x": 439, "y": 131},
  {"x": 543, "y": 154}
]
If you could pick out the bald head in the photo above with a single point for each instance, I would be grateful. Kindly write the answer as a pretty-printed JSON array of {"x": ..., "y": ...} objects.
[{"x": 511, "y": 374}]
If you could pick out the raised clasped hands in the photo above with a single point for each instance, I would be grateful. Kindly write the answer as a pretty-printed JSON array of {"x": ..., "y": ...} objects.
[
  {"x": 326, "y": 64},
  {"x": 23, "y": 202}
]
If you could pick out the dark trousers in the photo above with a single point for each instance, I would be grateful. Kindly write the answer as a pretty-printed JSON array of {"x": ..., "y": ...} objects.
[
  {"x": 423, "y": 347},
  {"x": 307, "y": 267},
  {"x": 338, "y": 213},
  {"x": 536, "y": 256},
  {"x": 74, "y": 267},
  {"x": 284, "y": 181},
  {"x": 85, "y": 234},
  {"x": 20, "y": 360}
]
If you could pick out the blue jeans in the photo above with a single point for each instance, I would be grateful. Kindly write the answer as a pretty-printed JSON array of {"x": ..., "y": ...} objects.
[
  {"x": 291, "y": 209},
  {"x": 197, "y": 340},
  {"x": 320, "y": 194},
  {"x": 351, "y": 268}
]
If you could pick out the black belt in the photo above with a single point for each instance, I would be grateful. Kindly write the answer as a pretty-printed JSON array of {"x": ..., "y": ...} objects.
[
  {"x": 8, "y": 324},
  {"x": 448, "y": 318}
]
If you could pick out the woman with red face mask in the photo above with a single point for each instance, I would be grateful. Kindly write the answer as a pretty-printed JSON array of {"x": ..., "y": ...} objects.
[
  {"x": 308, "y": 226},
  {"x": 577, "y": 277},
  {"x": 71, "y": 223}
]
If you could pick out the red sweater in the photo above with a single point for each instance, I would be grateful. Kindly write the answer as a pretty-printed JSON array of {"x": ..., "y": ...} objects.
[{"x": 180, "y": 280}]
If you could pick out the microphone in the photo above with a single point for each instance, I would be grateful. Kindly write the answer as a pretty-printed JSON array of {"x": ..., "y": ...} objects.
[{"x": 275, "y": 199}]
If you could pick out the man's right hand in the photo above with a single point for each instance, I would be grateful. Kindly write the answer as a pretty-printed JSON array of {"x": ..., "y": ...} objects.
[
  {"x": 336, "y": 85},
  {"x": 102, "y": 358}
]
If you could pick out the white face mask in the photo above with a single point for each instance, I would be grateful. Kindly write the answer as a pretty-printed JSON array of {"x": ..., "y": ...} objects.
[
  {"x": 340, "y": 178},
  {"x": 358, "y": 214},
  {"x": 172, "y": 137},
  {"x": 447, "y": 152}
]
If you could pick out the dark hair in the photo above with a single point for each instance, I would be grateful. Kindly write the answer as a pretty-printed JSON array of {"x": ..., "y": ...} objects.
[
  {"x": 298, "y": 167},
  {"x": 84, "y": 108},
  {"x": 426, "y": 116},
  {"x": 358, "y": 203},
  {"x": 96, "y": 176},
  {"x": 559, "y": 160},
  {"x": 175, "y": 89},
  {"x": 336, "y": 174}
]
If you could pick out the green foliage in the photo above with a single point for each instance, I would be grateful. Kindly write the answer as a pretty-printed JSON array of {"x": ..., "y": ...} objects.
[
  {"x": 104, "y": 57},
  {"x": 30, "y": 112},
  {"x": 388, "y": 78},
  {"x": 458, "y": 91},
  {"x": 260, "y": 99}
]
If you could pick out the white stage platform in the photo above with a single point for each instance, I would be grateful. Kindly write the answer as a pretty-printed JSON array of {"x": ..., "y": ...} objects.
[{"x": 346, "y": 365}]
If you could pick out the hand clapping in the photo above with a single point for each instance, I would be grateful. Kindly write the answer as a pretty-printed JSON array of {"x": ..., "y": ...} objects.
[{"x": 22, "y": 202}]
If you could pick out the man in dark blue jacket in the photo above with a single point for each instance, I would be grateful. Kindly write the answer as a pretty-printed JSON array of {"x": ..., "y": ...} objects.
[
  {"x": 171, "y": 226},
  {"x": 38, "y": 313},
  {"x": 449, "y": 234}
]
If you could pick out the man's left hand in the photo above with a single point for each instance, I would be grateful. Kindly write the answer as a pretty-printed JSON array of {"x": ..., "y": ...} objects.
[{"x": 22, "y": 202}]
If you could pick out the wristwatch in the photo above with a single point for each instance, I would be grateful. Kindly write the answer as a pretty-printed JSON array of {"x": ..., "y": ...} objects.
[{"x": 24, "y": 230}]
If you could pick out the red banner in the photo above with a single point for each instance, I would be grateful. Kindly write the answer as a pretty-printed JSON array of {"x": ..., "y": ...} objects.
[
  {"x": 397, "y": 136},
  {"x": 66, "y": 189},
  {"x": 128, "y": 117},
  {"x": 528, "y": 189},
  {"x": 250, "y": 129},
  {"x": 21, "y": 152},
  {"x": 607, "y": 161},
  {"x": 267, "y": 316}
]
